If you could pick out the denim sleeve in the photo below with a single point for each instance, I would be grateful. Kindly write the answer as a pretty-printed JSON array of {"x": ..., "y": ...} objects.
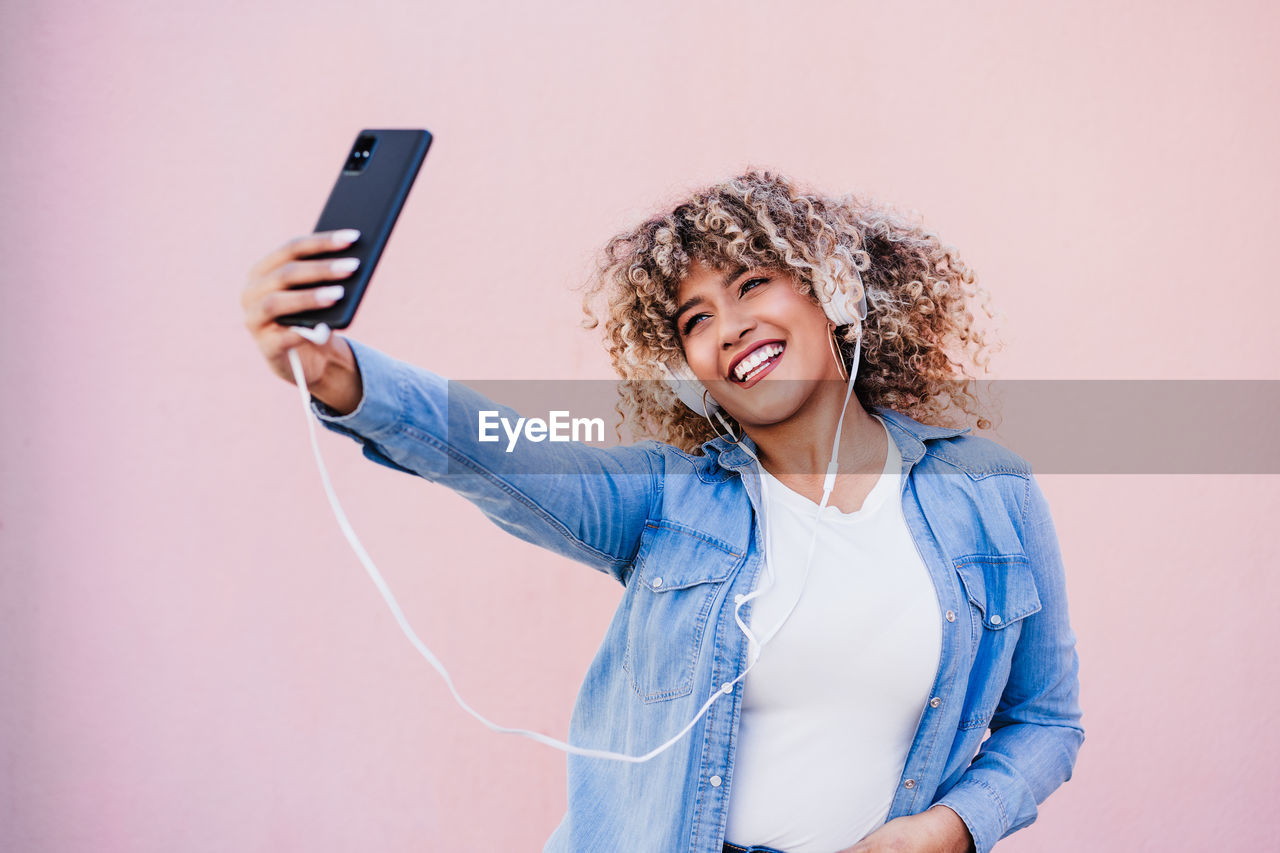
[
  {"x": 586, "y": 503},
  {"x": 1036, "y": 731}
]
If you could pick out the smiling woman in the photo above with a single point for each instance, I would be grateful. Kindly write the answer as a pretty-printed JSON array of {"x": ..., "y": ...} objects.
[
  {"x": 920, "y": 348},
  {"x": 826, "y": 610}
]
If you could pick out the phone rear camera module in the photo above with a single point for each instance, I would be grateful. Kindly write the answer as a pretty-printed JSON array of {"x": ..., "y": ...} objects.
[{"x": 360, "y": 154}]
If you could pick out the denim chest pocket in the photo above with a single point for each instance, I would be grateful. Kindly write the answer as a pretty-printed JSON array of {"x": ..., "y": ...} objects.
[
  {"x": 1002, "y": 593},
  {"x": 1000, "y": 587},
  {"x": 677, "y": 575}
]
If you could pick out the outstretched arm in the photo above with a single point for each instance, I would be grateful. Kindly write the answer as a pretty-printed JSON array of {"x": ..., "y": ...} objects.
[{"x": 586, "y": 503}]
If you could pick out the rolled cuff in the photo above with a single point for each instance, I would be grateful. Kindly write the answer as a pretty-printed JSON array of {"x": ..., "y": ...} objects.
[
  {"x": 982, "y": 810},
  {"x": 381, "y": 410}
]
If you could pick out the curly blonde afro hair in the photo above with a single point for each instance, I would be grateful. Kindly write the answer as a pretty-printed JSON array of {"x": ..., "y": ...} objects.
[{"x": 919, "y": 342}]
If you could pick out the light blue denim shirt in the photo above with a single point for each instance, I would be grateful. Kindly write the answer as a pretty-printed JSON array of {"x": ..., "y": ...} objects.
[{"x": 682, "y": 534}]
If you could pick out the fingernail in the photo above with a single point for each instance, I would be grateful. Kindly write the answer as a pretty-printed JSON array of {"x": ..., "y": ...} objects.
[
  {"x": 345, "y": 236},
  {"x": 329, "y": 295},
  {"x": 344, "y": 265}
]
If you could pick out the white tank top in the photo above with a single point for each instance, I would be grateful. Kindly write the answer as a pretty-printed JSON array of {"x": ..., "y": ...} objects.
[{"x": 831, "y": 707}]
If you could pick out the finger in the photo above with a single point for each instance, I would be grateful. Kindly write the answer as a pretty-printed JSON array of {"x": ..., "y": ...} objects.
[
  {"x": 298, "y": 247},
  {"x": 295, "y": 273},
  {"x": 281, "y": 302},
  {"x": 276, "y": 341},
  {"x": 291, "y": 275}
]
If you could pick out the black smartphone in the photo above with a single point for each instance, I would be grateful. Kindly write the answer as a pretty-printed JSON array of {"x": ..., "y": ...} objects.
[{"x": 368, "y": 195}]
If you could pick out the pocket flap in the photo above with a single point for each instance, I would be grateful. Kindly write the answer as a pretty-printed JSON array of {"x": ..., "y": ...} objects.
[
  {"x": 673, "y": 557},
  {"x": 1001, "y": 587}
]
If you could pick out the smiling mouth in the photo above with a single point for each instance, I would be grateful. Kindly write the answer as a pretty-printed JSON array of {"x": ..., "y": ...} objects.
[{"x": 758, "y": 363}]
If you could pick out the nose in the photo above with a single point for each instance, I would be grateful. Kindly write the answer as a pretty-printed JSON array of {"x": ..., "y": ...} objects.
[{"x": 735, "y": 323}]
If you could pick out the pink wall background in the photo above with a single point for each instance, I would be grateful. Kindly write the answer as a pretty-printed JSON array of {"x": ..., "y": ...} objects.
[{"x": 190, "y": 657}]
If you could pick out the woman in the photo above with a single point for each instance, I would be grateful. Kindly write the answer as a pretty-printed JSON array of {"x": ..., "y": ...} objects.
[{"x": 897, "y": 581}]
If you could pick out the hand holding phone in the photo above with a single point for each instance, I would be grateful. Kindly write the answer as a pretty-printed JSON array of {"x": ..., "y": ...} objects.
[
  {"x": 367, "y": 197},
  {"x": 314, "y": 283},
  {"x": 286, "y": 281}
]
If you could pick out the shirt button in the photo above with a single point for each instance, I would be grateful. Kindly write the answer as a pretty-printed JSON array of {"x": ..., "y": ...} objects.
[
  {"x": 935, "y": 702},
  {"x": 715, "y": 781},
  {"x": 909, "y": 784},
  {"x": 996, "y": 620},
  {"x": 727, "y": 687},
  {"x": 951, "y": 616},
  {"x": 657, "y": 582}
]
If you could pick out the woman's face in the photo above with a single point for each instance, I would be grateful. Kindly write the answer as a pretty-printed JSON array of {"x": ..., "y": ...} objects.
[{"x": 757, "y": 343}]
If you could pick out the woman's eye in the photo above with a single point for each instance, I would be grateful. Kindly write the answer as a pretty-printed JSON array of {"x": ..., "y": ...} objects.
[
  {"x": 690, "y": 323},
  {"x": 748, "y": 285}
]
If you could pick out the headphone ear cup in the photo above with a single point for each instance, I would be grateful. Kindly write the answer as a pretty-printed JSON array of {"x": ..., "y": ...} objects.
[
  {"x": 842, "y": 311},
  {"x": 687, "y": 387}
]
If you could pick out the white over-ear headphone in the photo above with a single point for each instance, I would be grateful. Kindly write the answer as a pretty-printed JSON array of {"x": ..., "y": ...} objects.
[{"x": 840, "y": 309}]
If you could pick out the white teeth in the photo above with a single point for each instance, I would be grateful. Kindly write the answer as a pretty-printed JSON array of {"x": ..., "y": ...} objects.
[{"x": 748, "y": 365}]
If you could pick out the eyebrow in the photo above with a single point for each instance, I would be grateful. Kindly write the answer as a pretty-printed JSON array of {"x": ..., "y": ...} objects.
[{"x": 728, "y": 279}]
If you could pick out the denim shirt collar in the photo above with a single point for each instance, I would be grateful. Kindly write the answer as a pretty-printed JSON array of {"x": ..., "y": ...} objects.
[{"x": 909, "y": 433}]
